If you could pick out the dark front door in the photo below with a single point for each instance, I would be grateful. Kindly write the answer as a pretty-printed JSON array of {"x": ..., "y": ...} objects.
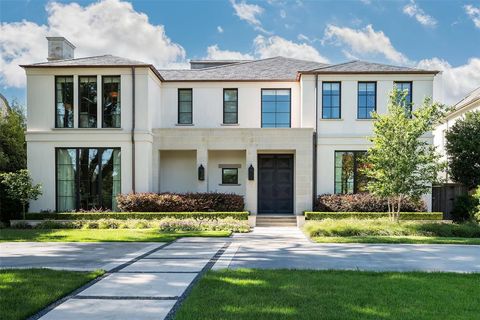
[{"x": 275, "y": 183}]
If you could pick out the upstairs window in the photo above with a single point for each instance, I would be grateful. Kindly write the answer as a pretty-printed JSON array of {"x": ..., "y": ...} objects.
[
  {"x": 64, "y": 102},
  {"x": 367, "y": 99},
  {"x": 276, "y": 108},
  {"x": 87, "y": 95},
  {"x": 348, "y": 172},
  {"x": 185, "y": 102},
  {"x": 230, "y": 106},
  {"x": 331, "y": 108},
  {"x": 111, "y": 102},
  {"x": 402, "y": 86}
]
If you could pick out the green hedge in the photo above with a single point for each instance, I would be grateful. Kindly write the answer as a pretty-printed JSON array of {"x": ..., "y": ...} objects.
[
  {"x": 136, "y": 215},
  {"x": 313, "y": 215}
]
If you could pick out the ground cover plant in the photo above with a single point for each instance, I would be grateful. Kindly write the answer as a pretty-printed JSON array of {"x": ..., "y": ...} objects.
[
  {"x": 23, "y": 292},
  {"x": 327, "y": 295}
]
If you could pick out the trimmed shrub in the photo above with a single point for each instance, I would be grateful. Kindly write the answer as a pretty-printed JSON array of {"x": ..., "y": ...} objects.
[
  {"x": 385, "y": 227},
  {"x": 172, "y": 202},
  {"x": 464, "y": 208},
  {"x": 361, "y": 202},
  {"x": 309, "y": 215},
  {"x": 166, "y": 225},
  {"x": 137, "y": 215}
]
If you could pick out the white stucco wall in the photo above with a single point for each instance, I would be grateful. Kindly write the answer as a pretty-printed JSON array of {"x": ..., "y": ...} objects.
[
  {"x": 228, "y": 157},
  {"x": 178, "y": 171},
  {"x": 208, "y": 103}
]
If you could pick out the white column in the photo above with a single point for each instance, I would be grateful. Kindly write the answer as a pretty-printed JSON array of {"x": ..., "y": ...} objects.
[
  {"x": 202, "y": 159},
  {"x": 251, "y": 185}
]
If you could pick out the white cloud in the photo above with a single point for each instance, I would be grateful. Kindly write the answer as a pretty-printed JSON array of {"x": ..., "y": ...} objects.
[
  {"x": 219, "y": 29},
  {"x": 303, "y": 37},
  {"x": 364, "y": 42},
  {"x": 473, "y": 13},
  {"x": 248, "y": 12},
  {"x": 413, "y": 10},
  {"x": 277, "y": 46},
  {"x": 283, "y": 14},
  {"x": 108, "y": 26},
  {"x": 267, "y": 47},
  {"x": 215, "y": 53},
  {"x": 457, "y": 81}
]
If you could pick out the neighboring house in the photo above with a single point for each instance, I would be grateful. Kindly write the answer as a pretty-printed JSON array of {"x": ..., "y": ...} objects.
[
  {"x": 4, "y": 106},
  {"x": 277, "y": 130},
  {"x": 470, "y": 103}
]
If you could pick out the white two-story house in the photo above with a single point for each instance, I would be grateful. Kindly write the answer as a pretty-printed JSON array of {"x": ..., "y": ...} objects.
[{"x": 278, "y": 131}]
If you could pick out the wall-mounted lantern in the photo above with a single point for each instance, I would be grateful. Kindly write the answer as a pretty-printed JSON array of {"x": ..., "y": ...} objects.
[
  {"x": 201, "y": 173},
  {"x": 251, "y": 173}
]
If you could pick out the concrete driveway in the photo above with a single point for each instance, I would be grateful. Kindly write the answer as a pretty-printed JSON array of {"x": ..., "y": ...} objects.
[
  {"x": 71, "y": 255},
  {"x": 273, "y": 248}
]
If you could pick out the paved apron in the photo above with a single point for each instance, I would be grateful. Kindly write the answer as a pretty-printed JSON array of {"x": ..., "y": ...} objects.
[{"x": 150, "y": 286}]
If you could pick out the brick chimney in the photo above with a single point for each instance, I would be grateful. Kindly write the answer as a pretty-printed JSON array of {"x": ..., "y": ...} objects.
[{"x": 59, "y": 48}]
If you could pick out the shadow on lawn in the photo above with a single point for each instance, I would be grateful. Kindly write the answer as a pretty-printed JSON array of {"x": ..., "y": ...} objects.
[{"x": 289, "y": 294}]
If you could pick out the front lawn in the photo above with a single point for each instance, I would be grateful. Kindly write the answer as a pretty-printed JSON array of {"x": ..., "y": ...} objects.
[
  {"x": 327, "y": 295},
  {"x": 386, "y": 231},
  {"x": 102, "y": 235},
  {"x": 27, "y": 291}
]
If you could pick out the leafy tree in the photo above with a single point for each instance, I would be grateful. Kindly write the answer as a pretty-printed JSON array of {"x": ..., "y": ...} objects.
[
  {"x": 402, "y": 163},
  {"x": 19, "y": 186},
  {"x": 13, "y": 154},
  {"x": 463, "y": 150}
]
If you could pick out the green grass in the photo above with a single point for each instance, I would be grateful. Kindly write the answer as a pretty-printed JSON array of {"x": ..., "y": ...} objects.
[
  {"x": 386, "y": 231},
  {"x": 327, "y": 295},
  {"x": 101, "y": 235},
  {"x": 27, "y": 291},
  {"x": 398, "y": 239}
]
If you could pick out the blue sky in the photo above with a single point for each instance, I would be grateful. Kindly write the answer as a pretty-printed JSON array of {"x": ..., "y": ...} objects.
[{"x": 443, "y": 35}]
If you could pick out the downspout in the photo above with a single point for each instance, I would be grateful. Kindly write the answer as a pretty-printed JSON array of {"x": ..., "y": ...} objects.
[
  {"x": 314, "y": 189},
  {"x": 133, "y": 129}
]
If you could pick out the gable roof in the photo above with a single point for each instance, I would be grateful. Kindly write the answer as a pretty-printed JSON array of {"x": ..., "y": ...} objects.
[
  {"x": 472, "y": 97},
  {"x": 107, "y": 60},
  {"x": 362, "y": 67},
  {"x": 270, "y": 69}
]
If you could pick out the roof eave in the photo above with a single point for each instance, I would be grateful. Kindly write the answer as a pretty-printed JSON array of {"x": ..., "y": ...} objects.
[
  {"x": 370, "y": 72},
  {"x": 151, "y": 67},
  {"x": 231, "y": 80}
]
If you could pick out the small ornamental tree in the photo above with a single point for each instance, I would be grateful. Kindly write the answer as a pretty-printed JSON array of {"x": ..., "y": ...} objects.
[
  {"x": 463, "y": 150},
  {"x": 402, "y": 163},
  {"x": 19, "y": 186}
]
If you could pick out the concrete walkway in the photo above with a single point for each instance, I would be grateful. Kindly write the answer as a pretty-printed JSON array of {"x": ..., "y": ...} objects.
[
  {"x": 274, "y": 248},
  {"x": 150, "y": 286}
]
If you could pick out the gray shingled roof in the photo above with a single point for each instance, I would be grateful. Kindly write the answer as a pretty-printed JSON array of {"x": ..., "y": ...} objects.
[
  {"x": 277, "y": 68},
  {"x": 358, "y": 66},
  {"x": 472, "y": 97},
  {"x": 105, "y": 60}
]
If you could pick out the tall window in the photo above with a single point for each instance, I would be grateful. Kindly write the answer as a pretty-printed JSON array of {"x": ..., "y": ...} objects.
[
  {"x": 63, "y": 102},
  {"x": 367, "y": 99},
  {"x": 111, "y": 102},
  {"x": 402, "y": 86},
  {"x": 87, "y": 178},
  {"x": 185, "y": 100},
  {"x": 331, "y": 100},
  {"x": 87, "y": 95},
  {"x": 230, "y": 106},
  {"x": 348, "y": 172},
  {"x": 275, "y": 108}
]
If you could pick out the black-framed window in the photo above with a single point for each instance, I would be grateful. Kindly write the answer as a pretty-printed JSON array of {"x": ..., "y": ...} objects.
[
  {"x": 348, "y": 172},
  {"x": 64, "y": 102},
  {"x": 87, "y": 178},
  {"x": 185, "y": 106},
  {"x": 229, "y": 175},
  {"x": 111, "y": 102},
  {"x": 276, "y": 106},
  {"x": 402, "y": 86},
  {"x": 331, "y": 100},
  {"x": 367, "y": 99},
  {"x": 230, "y": 106},
  {"x": 87, "y": 96}
]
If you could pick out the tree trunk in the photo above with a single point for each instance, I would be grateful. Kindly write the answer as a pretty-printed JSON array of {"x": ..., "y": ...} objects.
[{"x": 23, "y": 210}]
